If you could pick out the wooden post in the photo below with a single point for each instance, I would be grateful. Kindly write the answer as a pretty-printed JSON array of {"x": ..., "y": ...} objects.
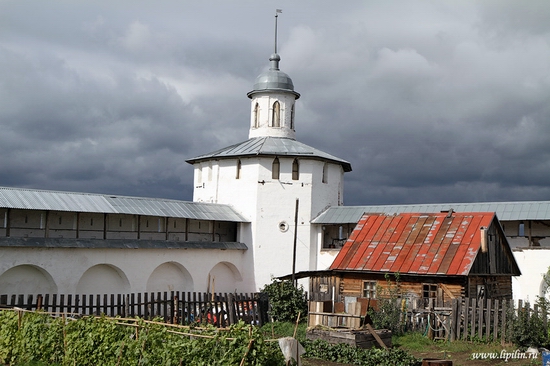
[
  {"x": 473, "y": 319},
  {"x": 454, "y": 319},
  {"x": 488, "y": 320},
  {"x": 480, "y": 319},
  {"x": 495, "y": 320},
  {"x": 466, "y": 311},
  {"x": 430, "y": 319},
  {"x": 231, "y": 308},
  {"x": 503, "y": 325}
]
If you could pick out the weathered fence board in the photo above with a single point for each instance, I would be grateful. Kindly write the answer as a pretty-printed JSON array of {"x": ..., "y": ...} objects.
[
  {"x": 468, "y": 318},
  {"x": 175, "y": 307}
]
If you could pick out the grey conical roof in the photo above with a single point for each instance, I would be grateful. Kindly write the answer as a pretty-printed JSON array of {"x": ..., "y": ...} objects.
[{"x": 271, "y": 146}]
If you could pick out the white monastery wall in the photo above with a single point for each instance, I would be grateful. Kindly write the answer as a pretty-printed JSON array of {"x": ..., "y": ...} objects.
[
  {"x": 91, "y": 271},
  {"x": 533, "y": 264}
]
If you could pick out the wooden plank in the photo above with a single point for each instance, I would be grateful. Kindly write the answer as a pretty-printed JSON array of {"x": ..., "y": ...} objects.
[
  {"x": 503, "y": 324},
  {"x": 98, "y": 305},
  {"x": 480, "y": 319},
  {"x": 488, "y": 320},
  {"x": 473, "y": 319},
  {"x": 496, "y": 308},
  {"x": 458, "y": 317},
  {"x": 466, "y": 311},
  {"x": 84, "y": 309},
  {"x": 454, "y": 317},
  {"x": 376, "y": 336},
  {"x": 61, "y": 303}
]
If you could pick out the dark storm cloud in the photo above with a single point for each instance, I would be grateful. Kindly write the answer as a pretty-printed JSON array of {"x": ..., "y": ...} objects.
[{"x": 429, "y": 101}]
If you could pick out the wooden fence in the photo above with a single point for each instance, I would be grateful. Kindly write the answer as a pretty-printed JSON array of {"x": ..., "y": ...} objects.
[
  {"x": 174, "y": 307},
  {"x": 469, "y": 319}
]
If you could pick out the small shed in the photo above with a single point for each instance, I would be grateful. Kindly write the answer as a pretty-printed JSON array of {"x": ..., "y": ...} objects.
[{"x": 439, "y": 256}]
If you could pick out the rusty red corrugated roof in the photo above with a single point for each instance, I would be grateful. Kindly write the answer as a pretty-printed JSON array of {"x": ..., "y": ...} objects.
[{"x": 417, "y": 243}]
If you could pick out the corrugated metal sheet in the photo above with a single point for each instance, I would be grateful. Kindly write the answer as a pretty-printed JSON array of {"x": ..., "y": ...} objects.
[
  {"x": 273, "y": 146},
  {"x": 506, "y": 211},
  {"x": 423, "y": 244},
  {"x": 19, "y": 198}
]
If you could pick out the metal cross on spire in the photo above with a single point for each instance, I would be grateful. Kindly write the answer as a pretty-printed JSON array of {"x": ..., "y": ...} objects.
[{"x": 277, "y": 11}]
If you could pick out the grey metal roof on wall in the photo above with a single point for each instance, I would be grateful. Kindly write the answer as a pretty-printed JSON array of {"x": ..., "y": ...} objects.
[
  {"x": 507, "y": 211},
  {"x": 272, "y": 146},
  {"x": 20, "y": 198},
  {"x": 116, "y": 244}
]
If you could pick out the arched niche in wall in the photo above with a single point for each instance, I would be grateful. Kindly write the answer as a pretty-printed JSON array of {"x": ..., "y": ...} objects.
[
  {"x": 103, "y": 279},
  {"x": 543, "y": 288},
  {"x": 27, "y": 279},
  {"x": 170, "y": 276},
  {"x": 224, "y": 277}
]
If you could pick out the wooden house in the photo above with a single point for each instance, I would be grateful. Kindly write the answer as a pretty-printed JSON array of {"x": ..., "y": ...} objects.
[{"x": 437, "y": 256}]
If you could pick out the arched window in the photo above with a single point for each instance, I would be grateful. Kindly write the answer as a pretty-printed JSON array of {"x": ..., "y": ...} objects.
[
  {"x": 295, "y": 170},
  {"x": 292, "y": 118},
  {"x": 275, "y": 169},
  {"x": 325, "y": 173},
  {"x": 257, "y": 116},
  {"x": 276, "y": 115},
  {"x": 238, "y": 174}
]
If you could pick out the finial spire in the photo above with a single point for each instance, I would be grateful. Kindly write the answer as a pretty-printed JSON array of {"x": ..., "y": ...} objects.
[{"x": 277, "y": 11}]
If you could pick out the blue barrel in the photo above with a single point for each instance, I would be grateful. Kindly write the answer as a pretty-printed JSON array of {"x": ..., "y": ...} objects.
[{"x": 545, "y": 358}]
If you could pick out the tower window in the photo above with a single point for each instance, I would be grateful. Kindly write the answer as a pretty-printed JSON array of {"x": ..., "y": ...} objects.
[
  {"x": 276, "y": 114},
  {"x": 292, "y": 118},
  {"x": 257, "y": 116},
  {"x": 275, "y": 169},
  {"x": 325, "y": 173},
  {"x": 238, "y": 174},
  {"x": 295, "y": 170}
]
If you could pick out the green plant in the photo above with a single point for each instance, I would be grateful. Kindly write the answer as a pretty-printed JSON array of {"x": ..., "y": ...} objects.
[
  {"x": 345, "y": 353},
  {"x": 389, "y": 314},
  {"x": 38, "y": 339},
  {"x": 286, "y": 301},
  {"x": 527, "y": 328}
]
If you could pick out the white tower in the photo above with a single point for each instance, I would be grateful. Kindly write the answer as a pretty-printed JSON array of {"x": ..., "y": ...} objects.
[{"x": 267, "y": 176}]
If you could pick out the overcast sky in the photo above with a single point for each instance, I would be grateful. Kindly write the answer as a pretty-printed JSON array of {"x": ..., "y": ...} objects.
[{"x": 430, "y": 101}]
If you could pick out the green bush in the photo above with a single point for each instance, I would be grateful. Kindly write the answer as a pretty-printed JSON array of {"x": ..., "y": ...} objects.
[
  {"x": 286, "y": 301},
  {"x": 37, "y": 338},
  {"x": 528, "y": 329},
  {"x": 389, "y": 313},
  {"x": 345, "y": 353}
]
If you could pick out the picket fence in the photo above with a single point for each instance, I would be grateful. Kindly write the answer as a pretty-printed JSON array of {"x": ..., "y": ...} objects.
[
  {"x": 469, "y": 319},
  {"x": 219, "y": 309}
]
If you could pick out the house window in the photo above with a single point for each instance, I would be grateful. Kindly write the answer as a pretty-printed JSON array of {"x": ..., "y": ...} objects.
[
  {"x": 521, "y": 229},
  {"x": 257, "y": 116},
  {"x": 276, "y": 117},
  {"x": 480, "y": 292},
  {"x": 369, "y": 289},
  {"x": 275, "y": 169},
  {"x": 295, "y": 170},
  {"x": 238, "y": 175},
  {"x": 429, "y": 291}
]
